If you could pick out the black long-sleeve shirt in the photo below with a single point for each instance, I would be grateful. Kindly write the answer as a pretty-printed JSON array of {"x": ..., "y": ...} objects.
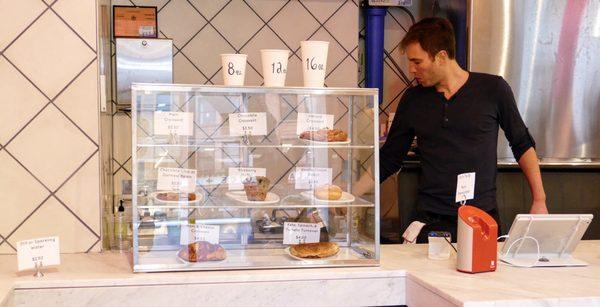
[{"x": 455, "y": 136}]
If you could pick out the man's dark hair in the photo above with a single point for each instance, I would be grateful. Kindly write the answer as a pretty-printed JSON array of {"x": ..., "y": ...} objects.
[{"x": 434, "y": 34}]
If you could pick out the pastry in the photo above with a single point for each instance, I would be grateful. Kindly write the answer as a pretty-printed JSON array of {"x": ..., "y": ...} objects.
[
  {"x": 256, "y": 188},
  {"x": 325, "y": 135},
  {"x": 315, "y": 250},
  {"x": 202, "y": 251},
  {"x": 175, "y": 196},
  {"x": 328, "y": 192}
]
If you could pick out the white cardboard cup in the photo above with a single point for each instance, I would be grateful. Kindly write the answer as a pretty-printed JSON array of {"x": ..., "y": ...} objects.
[
  {"x": 438, "y": 248},
  {"x": 314, "y": 62},
  {"x": 234, "y": 69},
  {"x": 274, "y": 66}
]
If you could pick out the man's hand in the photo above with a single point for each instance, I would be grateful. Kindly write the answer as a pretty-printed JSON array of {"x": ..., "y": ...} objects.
[
  {"x": 531, "y": 168},
  {"x": 538, "y": 207}
]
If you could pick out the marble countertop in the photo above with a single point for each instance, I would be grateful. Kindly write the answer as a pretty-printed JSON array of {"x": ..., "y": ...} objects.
[
  {"x": 402, "y": 261},
  {"x": 507, "y": 282}
]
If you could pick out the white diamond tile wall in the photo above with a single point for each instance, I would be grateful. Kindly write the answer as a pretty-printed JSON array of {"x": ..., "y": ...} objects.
[
  {"x": 203, "y": 29},
  {"x": 49, "y": 160}
]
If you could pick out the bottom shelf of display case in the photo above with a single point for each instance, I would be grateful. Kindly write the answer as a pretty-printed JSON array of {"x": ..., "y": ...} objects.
[{"x": 264, "y": 258}]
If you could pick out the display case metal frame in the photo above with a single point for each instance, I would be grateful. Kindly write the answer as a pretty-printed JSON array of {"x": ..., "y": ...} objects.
[{"x": 257, "y": 257}]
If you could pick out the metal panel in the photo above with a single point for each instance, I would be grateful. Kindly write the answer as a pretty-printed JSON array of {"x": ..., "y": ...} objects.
[
  {"x": 142, "y": 60},
  {"x": 544, "y": 49}
]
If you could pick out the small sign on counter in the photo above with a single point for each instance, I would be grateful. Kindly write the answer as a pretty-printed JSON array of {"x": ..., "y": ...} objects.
[
  {"x": 40, "y": 252},
  {"x": 241, "y": 124},
  {"x": 300, "y": 233},
  {"x": 176, "y": 179},
  {"x": 465, "y": 187}
]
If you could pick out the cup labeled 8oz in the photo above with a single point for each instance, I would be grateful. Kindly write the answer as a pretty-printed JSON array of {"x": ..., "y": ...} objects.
[{"x": 234, "y": 69}]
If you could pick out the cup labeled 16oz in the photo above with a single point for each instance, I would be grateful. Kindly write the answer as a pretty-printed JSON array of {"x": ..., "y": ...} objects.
[{"x": 314, "y": 62}]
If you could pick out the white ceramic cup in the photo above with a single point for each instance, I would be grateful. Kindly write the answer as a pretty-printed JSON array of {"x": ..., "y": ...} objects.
[
  {"x": 314, "y": 62},
  {"x": 439, "y": 248},
  {"x": 234, "y": 69},
  {"x": 274, "y": 66}
]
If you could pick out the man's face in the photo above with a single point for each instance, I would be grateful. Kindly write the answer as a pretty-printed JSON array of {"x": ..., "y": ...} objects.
[{"x": 426, "y": 70}]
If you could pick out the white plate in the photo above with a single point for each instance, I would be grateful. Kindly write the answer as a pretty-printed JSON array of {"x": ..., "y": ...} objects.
[
  {"x": 240, "y": 196},
  {"x": 347, "y": 141},
  {"x": 184, "y": 261},
  {"x": 346, "y": 198},
  {"x": 287, "y": 250},
  {"x": 199, "y": 197}
]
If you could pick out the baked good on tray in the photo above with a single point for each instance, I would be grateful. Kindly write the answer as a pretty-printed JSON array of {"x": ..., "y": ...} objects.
[
  {"x": 314, "y": 250},
  {"x": 202, "y": 251},
  {"x": 176, "y": 196},
  {"x": 256, "y": 188},
  {"x": 325, "y": 135},
  {"x": 328, "y": 192}
]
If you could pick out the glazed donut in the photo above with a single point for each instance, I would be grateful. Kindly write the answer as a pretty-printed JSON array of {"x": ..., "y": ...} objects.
[{"x": 328, "y": 192}]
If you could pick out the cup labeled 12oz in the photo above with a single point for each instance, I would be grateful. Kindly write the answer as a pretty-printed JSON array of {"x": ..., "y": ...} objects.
[
  {"x": 274, "y": 66},
  {"x": 314, "y": 62},
  {"x": 234, "y": 69}
]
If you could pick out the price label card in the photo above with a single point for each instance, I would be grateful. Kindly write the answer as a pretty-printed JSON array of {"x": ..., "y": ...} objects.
[
  {"x": 300, "y": 233},
  {"x": 465, "y": 187},
  {"x": 44, "y": 251},
  {"x": 191, "y": 233},
  {"x": 241, "y": 124},
  {"x": 176, "y": 179},
  {"x": 313, "y": 122},
  {"x": 177, "y": 123},
  {"x": 306, "y": 178},
  {"x": 237, "y": 175}
]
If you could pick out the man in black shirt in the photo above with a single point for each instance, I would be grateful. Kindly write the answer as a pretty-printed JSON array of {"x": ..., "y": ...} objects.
[{"x": 455, "y": 115}]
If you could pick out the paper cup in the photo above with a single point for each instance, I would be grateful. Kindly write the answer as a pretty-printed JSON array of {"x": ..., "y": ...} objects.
[
  {"x": 234, "y": 69},
  {"x": 314, "y": 62},
  {"x": 439, "y": 248},
  {"x": 274, "y": 66}
]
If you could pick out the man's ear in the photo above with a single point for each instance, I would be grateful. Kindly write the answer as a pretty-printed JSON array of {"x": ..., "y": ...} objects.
[{"x": 441, "y": 57}]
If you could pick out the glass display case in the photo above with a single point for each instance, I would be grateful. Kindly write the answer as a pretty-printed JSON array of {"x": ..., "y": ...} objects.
[{"x": 254, "y": 177}]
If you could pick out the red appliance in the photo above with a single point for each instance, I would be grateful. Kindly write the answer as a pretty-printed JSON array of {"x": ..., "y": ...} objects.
[{"x": 477, "y": 233}]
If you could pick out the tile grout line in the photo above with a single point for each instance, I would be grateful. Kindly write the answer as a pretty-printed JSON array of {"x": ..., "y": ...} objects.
[
  {"x": 52, "y": 194},
  {"x": 26, "y": 124},
  {"x": 208, "y": 21},
  {"x": 25, "y": 30},
  {"x": 65, "y": 114},
  {"x": 322, "y": 25},
  {"x": 265, "y": 23},
  {"x": 27, "y": 217},
  {"x": 25, "y": 76},
  {"x": 72, "y": 30}
]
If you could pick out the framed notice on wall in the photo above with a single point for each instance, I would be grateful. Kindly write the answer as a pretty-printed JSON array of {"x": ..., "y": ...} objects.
[{"x": 135, "y": 21}]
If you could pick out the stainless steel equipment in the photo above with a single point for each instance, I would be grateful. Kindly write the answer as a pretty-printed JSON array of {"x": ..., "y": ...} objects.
[
  {"x": 141, "y": 60},
  {"x": 544, "y": 49}
]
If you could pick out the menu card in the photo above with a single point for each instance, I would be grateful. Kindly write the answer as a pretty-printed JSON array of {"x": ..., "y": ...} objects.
[{"x": 43, "y": 251}]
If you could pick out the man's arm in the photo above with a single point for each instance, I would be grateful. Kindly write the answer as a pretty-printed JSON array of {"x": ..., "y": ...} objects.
[
  {"x": 522, "y": 145},
  {"x": 392, "y": 152},
  {"x": 530, "y": 167}
]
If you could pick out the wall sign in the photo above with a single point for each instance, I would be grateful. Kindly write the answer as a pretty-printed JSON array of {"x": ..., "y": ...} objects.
[{"x": 135, "y": 21}]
